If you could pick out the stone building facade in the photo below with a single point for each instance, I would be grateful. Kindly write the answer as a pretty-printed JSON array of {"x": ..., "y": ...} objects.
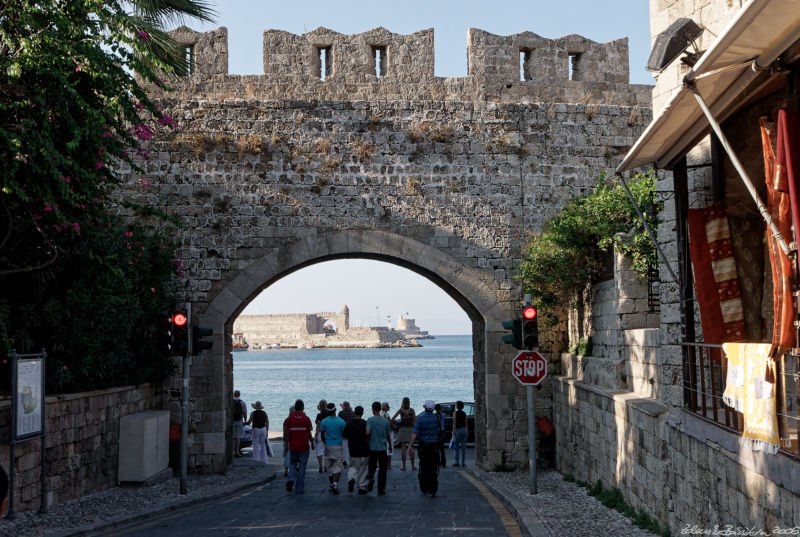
[
  {"x": 348, "y": 146},
  {"x": 620, "y": 416}
]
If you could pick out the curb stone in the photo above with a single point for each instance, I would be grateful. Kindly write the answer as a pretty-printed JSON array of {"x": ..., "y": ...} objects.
[
  {"x": 529, "y": 522},
  {"x": 123, "y": 520}
]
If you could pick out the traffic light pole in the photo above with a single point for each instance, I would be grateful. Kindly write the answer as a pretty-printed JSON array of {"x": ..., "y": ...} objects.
[
  {"x": 185, "y": 406},
  {"x": 530, "y": 339},
  {"x": 531, "y": 438}
]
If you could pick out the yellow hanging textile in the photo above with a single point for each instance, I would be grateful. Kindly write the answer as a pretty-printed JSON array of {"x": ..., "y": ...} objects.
[{"x": 750, "y": 389}]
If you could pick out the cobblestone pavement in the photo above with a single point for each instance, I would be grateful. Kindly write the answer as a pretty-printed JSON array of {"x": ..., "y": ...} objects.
[{"x": 559, "y": 509}]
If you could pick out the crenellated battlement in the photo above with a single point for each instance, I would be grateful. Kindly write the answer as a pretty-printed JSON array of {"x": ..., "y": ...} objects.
[{"x": 378, "y": 64}]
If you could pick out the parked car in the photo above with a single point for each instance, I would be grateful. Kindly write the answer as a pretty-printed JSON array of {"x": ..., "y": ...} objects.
[{"x": 448, "y": 409}]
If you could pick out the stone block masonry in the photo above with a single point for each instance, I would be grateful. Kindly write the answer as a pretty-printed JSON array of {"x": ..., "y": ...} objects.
[
  {"x": 349, "y": 146},
  {"x": 670, "y": 463},
  {"x": 82, "y": 444}
]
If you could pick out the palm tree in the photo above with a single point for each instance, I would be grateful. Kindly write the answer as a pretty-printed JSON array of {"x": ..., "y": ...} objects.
[{"x": 154, "y": 17}]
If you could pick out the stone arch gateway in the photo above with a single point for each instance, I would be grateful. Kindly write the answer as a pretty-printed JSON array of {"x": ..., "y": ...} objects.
[
  {"x": 445, "y": 176},
  {"x": 470, "y": 288}
]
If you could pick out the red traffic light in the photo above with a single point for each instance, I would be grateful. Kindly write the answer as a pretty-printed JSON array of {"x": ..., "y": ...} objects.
[
  {"x": 179, "y": 319},
  {"x": 529, "y": 312}
]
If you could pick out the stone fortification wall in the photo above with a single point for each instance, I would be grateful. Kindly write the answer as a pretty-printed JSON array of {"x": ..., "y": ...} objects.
[
  {"x": 447, "y": 177},
  {"x": 671, "y": 463},
  {"x": 299, "y": 329},
  {"x": 517, "y": 68},
  {"x": 288, "y": 330},
  {"x": 82, "y": 444},
  {"x": 364, "y": 337}
]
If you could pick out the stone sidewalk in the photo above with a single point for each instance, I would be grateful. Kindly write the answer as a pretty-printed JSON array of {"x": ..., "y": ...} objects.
[{"x": 560, "y": 508}]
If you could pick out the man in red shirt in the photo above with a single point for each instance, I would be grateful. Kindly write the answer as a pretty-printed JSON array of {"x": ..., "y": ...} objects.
[{"x": 297, "y": 433}]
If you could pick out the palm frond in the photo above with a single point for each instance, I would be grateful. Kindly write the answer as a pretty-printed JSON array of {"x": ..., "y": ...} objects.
[{"x": 174, "y": 12}]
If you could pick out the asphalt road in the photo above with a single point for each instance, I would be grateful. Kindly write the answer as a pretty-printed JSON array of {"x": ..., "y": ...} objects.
[{"x": 463, "y": 506}]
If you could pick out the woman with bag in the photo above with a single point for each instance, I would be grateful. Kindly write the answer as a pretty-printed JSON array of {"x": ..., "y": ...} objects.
[
  {"x": 407, "y": 420},
  {"x": 260, "y": 423}
]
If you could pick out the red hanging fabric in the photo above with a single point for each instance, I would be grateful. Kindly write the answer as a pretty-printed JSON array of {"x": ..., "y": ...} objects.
[
  {"x": 780, "y": 209},
  {"x": 716, "y": 280},
  {"x": 789, "y": 159}
]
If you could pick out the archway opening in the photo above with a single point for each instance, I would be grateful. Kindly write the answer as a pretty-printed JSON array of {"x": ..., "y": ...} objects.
[{"x": 357, "y": 330}]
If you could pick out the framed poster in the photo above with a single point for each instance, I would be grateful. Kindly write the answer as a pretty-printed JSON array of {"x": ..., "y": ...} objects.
[{"x": 29, "y": 397}]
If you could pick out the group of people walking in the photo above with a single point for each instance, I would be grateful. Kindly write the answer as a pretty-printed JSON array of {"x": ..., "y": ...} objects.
[{"x": 346, "y": 441}]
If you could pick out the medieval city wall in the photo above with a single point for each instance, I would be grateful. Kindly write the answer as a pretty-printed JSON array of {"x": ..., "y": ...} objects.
[
  {"x": 445, "y": 176},
  {"x": 301, "y": 329}
]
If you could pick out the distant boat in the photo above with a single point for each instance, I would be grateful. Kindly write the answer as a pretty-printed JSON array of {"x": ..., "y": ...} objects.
[
  {"x": 239, "y": 344},
  {"x": 256, "y": 347},
  {"x": 275, "y": 346}
]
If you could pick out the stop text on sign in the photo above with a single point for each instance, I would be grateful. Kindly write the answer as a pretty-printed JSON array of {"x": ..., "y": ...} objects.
[{"x": 529, "y": 367}]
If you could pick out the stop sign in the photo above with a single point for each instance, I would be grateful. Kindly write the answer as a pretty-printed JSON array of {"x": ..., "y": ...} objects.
[{"x": 529, "y": 367}]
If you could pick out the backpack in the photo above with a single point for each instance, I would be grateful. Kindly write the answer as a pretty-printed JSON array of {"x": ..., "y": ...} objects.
[{"x": 237, "y": 410}]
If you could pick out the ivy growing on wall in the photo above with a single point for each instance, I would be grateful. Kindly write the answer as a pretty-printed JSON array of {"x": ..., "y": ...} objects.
[{"x": 568, "y": 253}]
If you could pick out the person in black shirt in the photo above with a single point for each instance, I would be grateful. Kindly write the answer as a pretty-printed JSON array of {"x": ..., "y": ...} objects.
[
  {"x": 460, "y": 433},
  {"x": 260, "y": 423},
  {"x": 356, "y": 434}
]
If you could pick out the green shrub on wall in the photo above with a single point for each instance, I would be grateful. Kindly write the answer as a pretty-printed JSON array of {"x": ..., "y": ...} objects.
[{"x": 568, "y": 253}]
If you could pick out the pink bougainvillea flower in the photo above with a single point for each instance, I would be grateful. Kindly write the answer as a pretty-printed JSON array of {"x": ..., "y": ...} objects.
[
  {"x": 152, "y": 289},
  {"x": 143, "y": 35},
  {"x": 63, "y": 368},
  {"x": 129, "y": 234}
]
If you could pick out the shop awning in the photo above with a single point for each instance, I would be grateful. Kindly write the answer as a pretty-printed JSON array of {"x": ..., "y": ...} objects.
[{"x": 734, "y": 67}]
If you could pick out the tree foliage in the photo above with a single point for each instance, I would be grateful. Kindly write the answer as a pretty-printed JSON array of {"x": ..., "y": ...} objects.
[
  {"x": 78, "y": 281},
  {"x": 569, "y": 252}
]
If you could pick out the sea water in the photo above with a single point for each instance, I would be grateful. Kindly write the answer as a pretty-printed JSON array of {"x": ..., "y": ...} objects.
[{"x": 440, "y": 370}]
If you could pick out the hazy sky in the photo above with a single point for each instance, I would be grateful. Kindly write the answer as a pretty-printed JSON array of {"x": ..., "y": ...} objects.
[{"x": 365, "y": 285}]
